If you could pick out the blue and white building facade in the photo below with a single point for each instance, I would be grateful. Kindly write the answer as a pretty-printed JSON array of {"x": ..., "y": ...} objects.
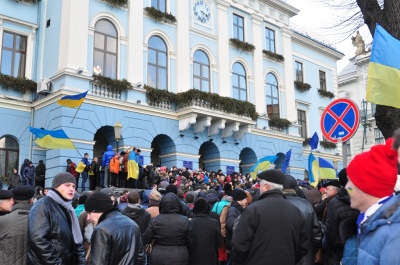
[{"x": 65, "y": 42}]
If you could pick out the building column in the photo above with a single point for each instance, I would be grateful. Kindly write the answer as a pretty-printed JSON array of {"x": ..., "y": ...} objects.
[
  {"x": 291, "y": 112},
  {"x": 182, "y": 73},
  {"x": 259, "y": 100},
  {"x": 135, "y": 43},
  {"x": 223, "y": 48},
  {"x": 73, "y": 36}
]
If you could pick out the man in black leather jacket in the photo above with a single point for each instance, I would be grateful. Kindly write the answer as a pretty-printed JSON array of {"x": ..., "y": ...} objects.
[
  {"x": 116, "y": 238},
  {"x": 312, "y": 225},
  {"x": 54, "y": 236}
]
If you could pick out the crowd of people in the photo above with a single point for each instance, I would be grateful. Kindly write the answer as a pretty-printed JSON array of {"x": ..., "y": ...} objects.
[{"x": 195, "y": 217}]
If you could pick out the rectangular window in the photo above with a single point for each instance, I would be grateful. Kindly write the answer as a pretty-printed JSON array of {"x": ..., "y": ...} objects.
[
  {"x": 238, "y": 27},
  {"x": 13, "y": 54},
  {"x": 322, "y": 80},
  {"x": 378, "y": 137},
  {"x": 160, "y": 5},
  {"x": 299, "y": 71},
  {"x": 270, "y": 40},
  {"x": 301, "y": 119}
]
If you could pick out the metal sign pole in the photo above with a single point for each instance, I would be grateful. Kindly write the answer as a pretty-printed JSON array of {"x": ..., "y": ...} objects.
[{"x": 344, "y": 151}]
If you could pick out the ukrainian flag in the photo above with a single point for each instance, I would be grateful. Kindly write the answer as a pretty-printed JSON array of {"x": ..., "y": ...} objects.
[
  {"x": 326, "y": 169},
  {"x": 262, "y": 165},
  {"x": 57, "y": 139},
  {"x": 313, "y": 170},
  {"x": 72, "y": 101},
  {"x": 384, "y": 70},
  {"x": 80, "y": 167}
]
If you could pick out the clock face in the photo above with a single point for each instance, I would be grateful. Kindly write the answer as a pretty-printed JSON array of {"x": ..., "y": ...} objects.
[{"x": 202, "y": 11}]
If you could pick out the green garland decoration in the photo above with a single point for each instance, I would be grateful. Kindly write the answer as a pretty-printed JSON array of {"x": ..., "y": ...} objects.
[
  {"x": 279, "y": 123},
  {"x": 20, "y": 84},
  {"x": 274, "y": 56},
  {"x": 118, "y": 3},
  {"x": 159, "y": 15},
  {"x": 327, "y": 145},
  {"x": 325, "y": 93},
  {"x": 302, "y": 87},
  {"x": 242, "y": 45},
  {"x": 118, "y": 85}
]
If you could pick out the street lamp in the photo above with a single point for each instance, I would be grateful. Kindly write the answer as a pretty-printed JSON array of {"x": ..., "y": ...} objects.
[{"x": 117, "y": 133}]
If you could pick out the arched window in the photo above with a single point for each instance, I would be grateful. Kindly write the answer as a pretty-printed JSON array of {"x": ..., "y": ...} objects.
[
  {"x": 157, "y": 63},
  {"x": 201, "y": 71},
  {"x": 105, "y": 48},
  {"x": 9, "y": 153},
  {"x": 239, "y": 83},
  {"x": 272, "y": 95}
]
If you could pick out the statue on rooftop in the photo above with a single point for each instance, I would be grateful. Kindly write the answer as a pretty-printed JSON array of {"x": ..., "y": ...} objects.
[{"x": 358, "y": 42}]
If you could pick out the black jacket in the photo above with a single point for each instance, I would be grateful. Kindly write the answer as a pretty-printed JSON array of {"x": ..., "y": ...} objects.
[
  {"x": 208, "y": 240},
  {"x": 341, "y": 224},
  {"x": 173, "y": 233},
  {"x": 41, "y": 172},
  {"x": 234, "y": 211},
  {"x": 50, "y": 239},
  {"x": 313, "y": 228},
  {"x": 139, "y": 216},
  {"x": 116, "y": 240},
  {"x": 271, "y": 230}
]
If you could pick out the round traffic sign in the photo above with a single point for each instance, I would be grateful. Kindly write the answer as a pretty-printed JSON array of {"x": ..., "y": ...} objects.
[{"x": 340, "y": 120}]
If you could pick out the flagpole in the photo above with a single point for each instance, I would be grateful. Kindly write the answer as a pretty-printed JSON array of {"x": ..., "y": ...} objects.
[{"x": 76, "y": 113}]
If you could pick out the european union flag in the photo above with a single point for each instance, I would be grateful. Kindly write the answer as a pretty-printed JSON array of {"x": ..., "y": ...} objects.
[
  {"x": 56, "y": 139},
  {"x": 313, "y": 143},
  {"x": 287, "y": 161},
  {"x": 72, "y": 101}
]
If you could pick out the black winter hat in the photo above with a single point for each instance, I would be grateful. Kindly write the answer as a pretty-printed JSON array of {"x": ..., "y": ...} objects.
[
  {"x": 5, "y": 194},
  {"x": 171, "y": 188},
  {"x": 201, "y": 206},
  {"x": 273, "y": 175},
  {"x": 290, "y": 182},
  {"x": 23, "y": 193},
  {"x": 82, "y": 199},
  {"x": 228, "y": 189},
  {"x": 61, "y": 178},
  {"x": 343, "y": 177},
  {"x": 238, "y": 195},
  {"x": 98, "y": 202},
  {"x": 334, "y": 183}
]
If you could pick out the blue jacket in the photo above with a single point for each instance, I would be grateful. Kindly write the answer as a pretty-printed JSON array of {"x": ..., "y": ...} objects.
[
  {"x": 379, "y": 238},
  {"x": 29, "y": 172},
  {"x": 107, "y": 156}
]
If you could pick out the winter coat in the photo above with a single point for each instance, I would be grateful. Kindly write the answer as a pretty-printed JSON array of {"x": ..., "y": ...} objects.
[
  {"x": 29, "y": 172},
  {"x": 50, "y": 239},
  {"x": 173, "y": 234},
  {"x": 21, "y": 170},
  {"x": 40, "y": 172},
  {"x": 116, "y": 240},
  {"x": 14, "y": 235},
  {"x": 234, "y": 211},
  {"x": 107, "y": 156},
  {"x": 217, "y": 208},
  {"x": 114, "y": 165},
  {"x": 350, "y": 251},
  {"x": 139, "y": 215},
  {"x": 270, "y": 230},
  {"x": 313, "y": 228},
  {"x": 341, "y": 224},
  {"x": 13, "y": 180},
  {"x": 208, "y": 240},
  {"x": 379, "y": 237}
]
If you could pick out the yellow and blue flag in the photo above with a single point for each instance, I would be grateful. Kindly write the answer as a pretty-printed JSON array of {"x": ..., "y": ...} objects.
[
  {"x": 262, "y": 165},
  {"x": 326, "y": 169},
  {"x": 80, "y": 167},
  {"x": 56, "y": 139},
  {"x": 313, "y": 170},
  {"x": 72, "y": 101},
  {"x": 384, "y": 70}
]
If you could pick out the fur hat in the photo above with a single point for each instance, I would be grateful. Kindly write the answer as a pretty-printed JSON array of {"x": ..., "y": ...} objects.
[
  {"x": 61, "y": 178},
  {"x": 23, "y": 193},
  {"x": 98, "y": 202},
  {"x": 375, "y": 172},
  {"x": 238, "y": 195},
  {"x": 273, "y": 175}
]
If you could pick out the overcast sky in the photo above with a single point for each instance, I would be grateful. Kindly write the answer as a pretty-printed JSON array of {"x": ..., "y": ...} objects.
[{"x": 316, "y": 18}]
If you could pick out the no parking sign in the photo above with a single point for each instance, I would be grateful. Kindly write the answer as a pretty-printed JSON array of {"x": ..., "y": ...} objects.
[{"x": 340, "y": 119}]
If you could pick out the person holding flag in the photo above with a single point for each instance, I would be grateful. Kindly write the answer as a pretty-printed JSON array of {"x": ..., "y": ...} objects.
[{"x": 85, "y": 171}]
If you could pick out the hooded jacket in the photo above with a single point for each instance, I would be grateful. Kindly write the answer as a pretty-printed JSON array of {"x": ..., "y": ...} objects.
[
  {"x": 172, "y": 232},
  {"x": 107, "y": 156},
  {"x": 139, "y": 215}
]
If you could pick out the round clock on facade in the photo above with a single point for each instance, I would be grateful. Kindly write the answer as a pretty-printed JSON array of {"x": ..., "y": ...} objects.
[{"x": 202, "y": 11}]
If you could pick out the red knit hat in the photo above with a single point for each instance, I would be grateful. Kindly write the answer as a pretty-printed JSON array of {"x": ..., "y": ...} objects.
[{"x": 375, "y": 172}]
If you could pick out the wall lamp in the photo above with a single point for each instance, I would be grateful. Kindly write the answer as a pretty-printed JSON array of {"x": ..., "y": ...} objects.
[
  {"x": 181, "y": 135},
  {"x": 236, "y": 143},
  {"x": 138, "y": 101},
  {"x": 79, "y": 71},
  {"x": 211, "y": 140},
  {"x": 223, "y": 141},
  {"x": 196, "y": 137}
]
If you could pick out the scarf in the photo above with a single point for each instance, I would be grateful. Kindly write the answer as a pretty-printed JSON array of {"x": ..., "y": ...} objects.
[
  {"x": 76, "y": 231},
  {"x": 135, "y": 206}
]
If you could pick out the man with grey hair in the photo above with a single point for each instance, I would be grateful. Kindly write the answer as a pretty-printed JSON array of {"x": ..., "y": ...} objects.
[
  {"x": 14, "y": 228},
  {"x": 269, "y": 226}
]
